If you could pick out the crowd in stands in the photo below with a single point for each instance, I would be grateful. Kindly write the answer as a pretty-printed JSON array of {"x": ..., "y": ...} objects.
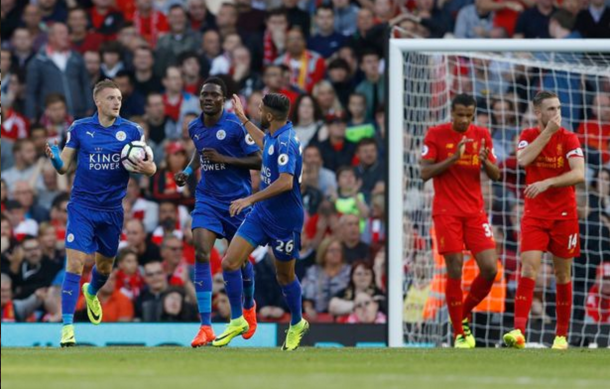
[{"x": 326, "y": 56}]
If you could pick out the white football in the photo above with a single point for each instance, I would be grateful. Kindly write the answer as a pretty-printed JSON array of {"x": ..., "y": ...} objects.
[{"x": 134, "y": 152}]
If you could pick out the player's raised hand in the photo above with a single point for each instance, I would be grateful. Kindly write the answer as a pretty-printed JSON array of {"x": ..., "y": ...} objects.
[
  {"x": 238, "y": 108},
  {"x": 213, "y": 156},
  {"x": 536, "y": 188},
  {"x": 49, "y": 149},
  {"x": 239, "y": 205},
  {"x": 181, "y": 179},
  {"x": 461, "y": 147},
  {"x": 554, "y": 124},
  {"x": 483, "y": 152}
]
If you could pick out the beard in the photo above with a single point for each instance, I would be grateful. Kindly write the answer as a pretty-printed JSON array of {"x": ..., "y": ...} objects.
[{"x": 265, "y": 123}]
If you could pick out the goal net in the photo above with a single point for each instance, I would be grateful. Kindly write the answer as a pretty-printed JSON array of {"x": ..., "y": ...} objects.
[{"x": 503, "y": 76}]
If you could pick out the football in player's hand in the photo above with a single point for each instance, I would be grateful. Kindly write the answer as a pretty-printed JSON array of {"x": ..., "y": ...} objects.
[{"x": 134, "y": 152}]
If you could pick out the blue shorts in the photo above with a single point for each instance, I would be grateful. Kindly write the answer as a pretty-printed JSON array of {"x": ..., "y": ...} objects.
[
  {"x": 93, "y": 231},
  {"x": 216, "y": 218},
  {"x": 285, "y": 244}
]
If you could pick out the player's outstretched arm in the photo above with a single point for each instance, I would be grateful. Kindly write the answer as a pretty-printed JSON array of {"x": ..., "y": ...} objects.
[
  {"x": 530, "y": 152},
  {"x": 430, "y": 169},
  {"x": 250, "y": 162},
  {"x": 61, "y": 160},
  {"x": 182, "y": 177},
  {"x": 256, "y": 133},
  {"x": 575, "y": 176},
  {"x": 283, "y": 184}
]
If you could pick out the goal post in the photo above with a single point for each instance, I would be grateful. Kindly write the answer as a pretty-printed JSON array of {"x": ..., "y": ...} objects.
[{"x": 423, "y": 76}]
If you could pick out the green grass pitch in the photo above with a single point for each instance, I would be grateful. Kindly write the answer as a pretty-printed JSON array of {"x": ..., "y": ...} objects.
[{"x": 173, "y": 368}]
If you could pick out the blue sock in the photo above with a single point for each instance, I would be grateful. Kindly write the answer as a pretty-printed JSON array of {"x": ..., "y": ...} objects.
[
  {"x": 97, "y": 281},
  {"x": 247, "y": 273},
  {"x": 203, "y": 287},
  {"x": 69, "y": 297},
  {"x": 234, "y": 287},
  {"x": 293, "y": 295}
]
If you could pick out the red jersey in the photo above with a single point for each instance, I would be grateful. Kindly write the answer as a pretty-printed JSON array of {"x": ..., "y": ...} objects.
[
  {"x": 554, "y": 203},
  {"x": 458, "y": 190}
]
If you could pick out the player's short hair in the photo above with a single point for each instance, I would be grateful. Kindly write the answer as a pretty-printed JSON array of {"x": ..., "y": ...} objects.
[
  {"x": 278, "y": 103},
  {"x": 53, "y": 98},
  {"x": 106, "y": 84},
  {"x": 543, "y": 95},
  {"x": 463, "y": 99},
  {"x": 366, "y": 142},
  {"x": 217, "y": 81}
]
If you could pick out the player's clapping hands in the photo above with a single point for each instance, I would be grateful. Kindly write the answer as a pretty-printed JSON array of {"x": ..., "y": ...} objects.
[
  {"x": 461, "y": 148},
  {"x": 239, "y": 205},
  {"x": 213, "y": 156},
  {"x": 536, "y": 188}
]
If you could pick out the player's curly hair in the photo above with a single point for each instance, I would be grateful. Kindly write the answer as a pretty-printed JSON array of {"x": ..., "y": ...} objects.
[
  {"x": 219, "y": 82},
  {"x": 463, "y": 99}
]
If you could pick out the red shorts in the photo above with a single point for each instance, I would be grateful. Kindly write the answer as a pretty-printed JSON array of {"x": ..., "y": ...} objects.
[
  {"x": 455, "y": 232},
  {"x": 559, "y": 237}
]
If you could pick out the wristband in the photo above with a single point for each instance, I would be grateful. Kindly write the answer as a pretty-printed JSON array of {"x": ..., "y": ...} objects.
[
  {"x": 188, "y": 171},
  {"x": 56, "y": 159},
  {"x": 247, "y": 121}
]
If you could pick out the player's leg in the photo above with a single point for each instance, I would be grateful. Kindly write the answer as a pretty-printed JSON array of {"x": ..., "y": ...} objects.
[
  {"x": 99, "y": 275},
  {"x": 204, "y": 240},
  {"x": 69, "y": 294}
]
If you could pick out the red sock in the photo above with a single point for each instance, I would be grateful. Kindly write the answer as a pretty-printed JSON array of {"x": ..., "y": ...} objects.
[
  {"x": 478, "y": 291},
  {"x": 523, "y": 302},
  {"x": 564, "y": 308},
  {"x": 454, "y": 296}
]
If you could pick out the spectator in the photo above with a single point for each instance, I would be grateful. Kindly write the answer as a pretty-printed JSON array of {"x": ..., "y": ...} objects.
[
  {"x": 177, "y": 102},
  {"x": 160, "y": 125},
  {"x": 327, "y": 99},
  {"x": 57, "y": 69},
  {"x": 210, "y": 49},
  {"x": 274, "y": 39},
  {"x": 83, "y": 40},
  {"x": 326, "y": 41},
  {"x": 178, "y": 41},
  {"x": 307, "y": 67},
  {"x": 353, "y": 247},
  {"x": 222, "y": 65},
  {"x": 59, "y": 214},
  {"x": 504, "y": 127},
  {"x": 172, "y": 222},
  {"x": 534, "y": 21},
  {"x": 136, "y": 240},
  {"x": 150, "y": 23},
  {"x": 93, "y": 65},
  {"x": 133, "y": 102},
  {"x": 176, "y": 309},
  {"x": 473, "y": 21},
  {"x": 24, "y": 155},
  {"x": 336, "y": 151},
  {"x": 268, "y": 294},
  {"x": 252, "y": 107},
  {"x": 116, "y": 306},
  {"x": 339, "y": 74},
  {"x": 373, "y": 86},
  {"x": 370, "y": 170},
  {"x": 163, "y": 186},
  {"x": 362, "y": 280},
  {"x": 506, "y": 12},
  {"x": 22, "y": 47},
  {"x": 599, "y": 197},
  {"x": 594, "y": 133},
  {"x": 226, "y": 19},
  {"x": 129, "y": 281},
  {"x": 272, "y": 78},
  {"x": 39, "y": 137},
  {"x": 23, "y": 192},
  {"x": 49, "y": 244},
  {"x": 149, "y": 305},
  {"x": 53, "y": 11},
  {"x": 141, "y": 209},
  {"x": 105, "y": 19},
  {"x": 19, "y": 310},
  {"x": 112, "y": 59},
  {"x": 297, "y": 17},
  {"x": 312, "y": 159},
  {"x": 359, "y": 126},
  {"x": 247, "y": 80},
  {"x": 34, "y": 270},
  {"x": 366, "y": 311},
  {"x": 375, "y": 234},
  {"x": 55, "y": 118},
  {"x": 307, "y": 119},
  {"x": 223, "y": 307},
  {"x": 146, "y": 82},
  {"x": 14, "y": 126},
  {"x": 598, "y": 301},
  {"x": 32, "y": 20},
  {"x": 200, "y": 17},
  {"x": 368, "y": 36},
  {"x": 190, "y": 66},
  {"x": 349, "y": 200},
  {"x": 346, "y": 15},
  {"x": 325, "y": 279},
  {"x": 52, "y": 185},
  {"x": 594, "y": 22},
  {"x": 251, "y": 20},
  {"x": 11, "y": 10}
]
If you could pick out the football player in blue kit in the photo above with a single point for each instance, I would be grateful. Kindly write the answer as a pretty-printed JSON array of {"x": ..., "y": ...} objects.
[
  {"x": 276, "y": 218},
  {"x": 225, "y": 153},
  {"x": 95, "y": 210}
]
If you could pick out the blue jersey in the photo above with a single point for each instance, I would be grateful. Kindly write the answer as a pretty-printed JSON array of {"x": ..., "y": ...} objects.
[
  {"x": 101, "y": 180},
  {"x": 282, "y": 154},
  {"x": 222, "y": 183}
]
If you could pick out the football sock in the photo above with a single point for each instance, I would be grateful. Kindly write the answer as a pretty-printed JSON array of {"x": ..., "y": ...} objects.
[
  {"x": 69, "y": 297},
  {"x": 247, "y": 273},
  {"x": 454, "y": 296},
  {"x": 97, "y": 281},
  {"x": 203, "y": 287},
  {"x": 293, "y": 295},
  {"x": 478, "y": 291},
  {"x": 564, "y": 308},
  {"x": 234, "y": 287},
  {"x": 523, "y": 302}
]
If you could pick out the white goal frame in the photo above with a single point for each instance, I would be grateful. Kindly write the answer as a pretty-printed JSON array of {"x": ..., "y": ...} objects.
[{"x": 397, "y": 47}]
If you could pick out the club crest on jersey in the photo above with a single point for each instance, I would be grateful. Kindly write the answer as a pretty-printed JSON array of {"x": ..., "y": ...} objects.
[
  {"x": 424, "y": 150},
  {"x": 70, "y": 238},
  {"x": 271, "y": 150},
  {"x": 221, "y": 135},
  {"x": 282, "y": 159},
  {"x": 121, "y": 136},
  {"x": 249, "y": 140}
]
